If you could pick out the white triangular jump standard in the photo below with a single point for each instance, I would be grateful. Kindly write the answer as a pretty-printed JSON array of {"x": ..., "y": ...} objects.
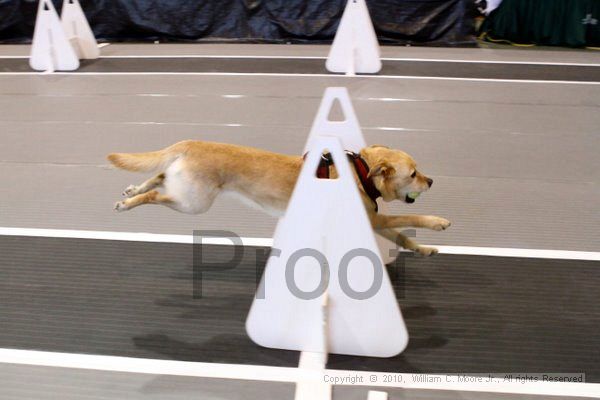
[
  {"x": 347, "y": 130},
  {"x": 78, "y": 30},
  {"x": 50, "y": 48},
  {"x": 355, "y": 48},
  {"x": 363, "y": 317},
  {"x": 349, "y": 133}
]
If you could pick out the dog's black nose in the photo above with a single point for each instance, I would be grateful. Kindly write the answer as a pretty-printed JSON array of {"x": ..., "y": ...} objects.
[{"x": 429, "y": 182}]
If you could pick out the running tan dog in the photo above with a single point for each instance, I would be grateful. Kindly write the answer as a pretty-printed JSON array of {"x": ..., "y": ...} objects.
[{"x": 196, "y": 172}]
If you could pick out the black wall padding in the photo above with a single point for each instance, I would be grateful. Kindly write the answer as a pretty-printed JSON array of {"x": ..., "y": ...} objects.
[{"x": 433, "y": 22}]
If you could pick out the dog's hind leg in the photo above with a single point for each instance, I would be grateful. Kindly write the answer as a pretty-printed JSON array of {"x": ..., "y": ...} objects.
[
  {"x": 152, "y": 183},
  {"x": 151, "y": 197}
]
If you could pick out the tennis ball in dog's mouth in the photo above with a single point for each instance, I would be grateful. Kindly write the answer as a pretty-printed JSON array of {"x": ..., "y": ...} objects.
[{"x": 413, "y": 195}]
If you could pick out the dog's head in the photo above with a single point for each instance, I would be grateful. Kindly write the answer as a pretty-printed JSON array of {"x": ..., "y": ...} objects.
[{"x": 395, "y": 174}]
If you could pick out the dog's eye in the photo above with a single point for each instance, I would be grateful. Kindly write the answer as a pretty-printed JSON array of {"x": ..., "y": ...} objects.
[{"x": 413, "y": 174}]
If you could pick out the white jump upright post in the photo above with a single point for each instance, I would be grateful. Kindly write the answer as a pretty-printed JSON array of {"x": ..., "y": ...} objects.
[
  {"x": 50, "y": 48},
  {"x": 325, "y": 288},
  {"x": 355, "y": 48},
  {"x": 325, "y": 246},
  {"x": 352, "y": 138},
  {"x": 78, "y": 30},
  {"x": 347, "y": 130}
]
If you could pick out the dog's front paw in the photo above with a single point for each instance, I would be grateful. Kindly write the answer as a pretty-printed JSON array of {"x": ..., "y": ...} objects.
[
  {"x": 120, "y": 206},
  {"x": 426, "y": 251},
  {"x": 130, "y": 191},
  {"x": 438, "y": 223}
]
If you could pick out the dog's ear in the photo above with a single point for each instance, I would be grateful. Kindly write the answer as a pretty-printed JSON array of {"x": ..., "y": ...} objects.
[{"x": 384, "y": 169}]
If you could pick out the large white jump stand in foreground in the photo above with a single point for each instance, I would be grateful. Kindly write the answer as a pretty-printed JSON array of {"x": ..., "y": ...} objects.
[
  {"x": 348, "y": 131},
  {"x": 355, "y": 48},
  {"x": 58, "y": 45},
  {"x": 335, "y": 321}
]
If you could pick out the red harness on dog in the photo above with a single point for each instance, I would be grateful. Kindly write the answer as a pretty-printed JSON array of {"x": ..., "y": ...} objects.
[{"x": 360, "y": 166}]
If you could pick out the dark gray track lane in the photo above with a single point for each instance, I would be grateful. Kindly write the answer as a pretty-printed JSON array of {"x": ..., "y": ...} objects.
[
  {"x": 25, "y": 382},
  {"x": 361, "y": 393},
  {"x": 317, "y": 66},
  {"x": 16, "y": 383},
  {"x": 464, "y": 314}
]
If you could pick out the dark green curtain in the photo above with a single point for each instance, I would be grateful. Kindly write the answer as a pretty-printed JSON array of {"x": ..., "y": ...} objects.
[{"x": 574, "y": 23}]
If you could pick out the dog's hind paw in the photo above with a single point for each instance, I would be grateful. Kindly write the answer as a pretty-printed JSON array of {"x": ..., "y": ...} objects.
[
  {"x": 130, "y": 191},
  {"x": 120, "y": 206}
]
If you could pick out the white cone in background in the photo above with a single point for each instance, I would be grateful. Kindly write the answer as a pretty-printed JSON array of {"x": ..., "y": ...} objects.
[
  {"x": 78, "y": 30},
  {"x": 355, "y": 48},
  {"x": 281, "y": 317},
  {"x": 50, "y": 48},
  {"x": 350, "y": 135}
]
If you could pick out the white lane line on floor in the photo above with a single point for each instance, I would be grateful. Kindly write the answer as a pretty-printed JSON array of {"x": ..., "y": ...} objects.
[
  {"x": 523, "y": 253},
  {"x": 453, "y": 60},
  {"x": 290, "y": 75},
  {"x": 286, "y": 374},
  {"x": 131, "y": 236},
  {"x": 268, "y": 242},
  {"x": 290, "y": 57},
  {"x": 179, "y": 56}
]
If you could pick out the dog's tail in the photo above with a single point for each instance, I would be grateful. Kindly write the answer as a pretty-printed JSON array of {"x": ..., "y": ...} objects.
[{"x": 147, "y": 162}]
